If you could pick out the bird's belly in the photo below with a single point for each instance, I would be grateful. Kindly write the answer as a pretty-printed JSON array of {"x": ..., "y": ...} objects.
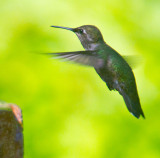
[{"x": 107, "y": 77}]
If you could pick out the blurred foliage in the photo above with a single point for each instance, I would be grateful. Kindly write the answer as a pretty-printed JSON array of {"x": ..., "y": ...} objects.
[{"x": 68, "y": 111}]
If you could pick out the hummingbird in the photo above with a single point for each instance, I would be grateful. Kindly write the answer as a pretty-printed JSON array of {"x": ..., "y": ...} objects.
[{"x": 112, "y": 68}]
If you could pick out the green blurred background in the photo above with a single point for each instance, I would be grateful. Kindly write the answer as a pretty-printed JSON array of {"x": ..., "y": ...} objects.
[{"x": 68, "y": 111}]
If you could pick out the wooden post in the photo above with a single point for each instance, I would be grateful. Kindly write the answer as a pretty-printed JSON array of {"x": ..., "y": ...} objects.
[{"x": 11, "y": 131}]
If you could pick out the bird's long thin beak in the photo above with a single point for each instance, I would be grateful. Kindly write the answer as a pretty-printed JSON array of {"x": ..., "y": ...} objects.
[{"x": 66, "y": 28}]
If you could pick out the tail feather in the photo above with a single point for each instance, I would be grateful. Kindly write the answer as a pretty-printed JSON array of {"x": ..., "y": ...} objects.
[{"x": 133, "y": 104}]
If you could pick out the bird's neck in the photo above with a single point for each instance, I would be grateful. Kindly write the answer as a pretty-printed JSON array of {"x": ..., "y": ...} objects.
[{"x": 93, "y": 46}]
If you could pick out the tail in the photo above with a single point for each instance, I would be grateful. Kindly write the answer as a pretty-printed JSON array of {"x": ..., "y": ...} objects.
[{"x": 133, "y": 104}]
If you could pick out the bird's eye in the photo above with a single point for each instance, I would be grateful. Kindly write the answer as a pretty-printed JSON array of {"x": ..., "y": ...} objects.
[{"x": 80, "y": 31}]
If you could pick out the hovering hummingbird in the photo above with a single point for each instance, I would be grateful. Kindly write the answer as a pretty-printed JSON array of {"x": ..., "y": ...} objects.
[{"x": 107, "y": 62}]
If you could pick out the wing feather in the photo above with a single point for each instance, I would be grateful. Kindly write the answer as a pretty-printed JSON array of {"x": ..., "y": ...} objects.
[{"x": 90, "y": 58}]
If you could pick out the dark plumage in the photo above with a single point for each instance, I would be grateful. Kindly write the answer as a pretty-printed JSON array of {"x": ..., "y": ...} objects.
[{"x": 109, "y": 64}]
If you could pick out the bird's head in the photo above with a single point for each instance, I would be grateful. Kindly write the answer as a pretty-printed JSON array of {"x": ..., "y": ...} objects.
[{"x": 89, "y": 35}]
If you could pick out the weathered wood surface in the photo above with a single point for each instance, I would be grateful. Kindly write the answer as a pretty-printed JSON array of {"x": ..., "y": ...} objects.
[{"x": 11, "y": 131}]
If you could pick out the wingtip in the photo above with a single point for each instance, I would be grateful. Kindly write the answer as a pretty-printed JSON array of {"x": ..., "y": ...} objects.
[
  {"x": 143, "y": 116},
  {"x": 138, "y": 116}
]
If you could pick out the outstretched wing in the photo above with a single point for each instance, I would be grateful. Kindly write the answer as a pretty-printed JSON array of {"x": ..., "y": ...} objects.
[{"x": 90, "y": 58}]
